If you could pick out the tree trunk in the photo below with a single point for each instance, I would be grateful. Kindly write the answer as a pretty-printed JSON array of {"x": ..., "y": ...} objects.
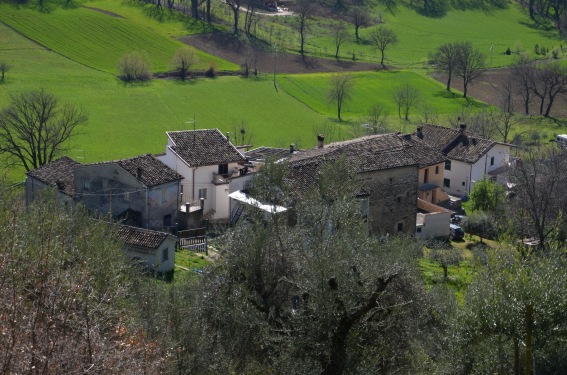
[
  {"x": 356, "y": 33},
  {"x": 209, "y": 11},
  {"x": 449, "y": 74},
  {"x": 382, "y": 59}
]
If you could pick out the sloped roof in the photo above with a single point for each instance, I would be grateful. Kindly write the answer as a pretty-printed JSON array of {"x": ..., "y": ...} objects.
[
  {"x": 146, "y": 169},
  {"x": 424, "y": 154},
  {"x": 59, "y": 173},
  {"x": 262, "y": 153},
  {"x": 365, "y": 154},
  {"x": 141, "y": 237},
  {"x": 204, "y": 147},
  {"x": 455, "y": 144}
]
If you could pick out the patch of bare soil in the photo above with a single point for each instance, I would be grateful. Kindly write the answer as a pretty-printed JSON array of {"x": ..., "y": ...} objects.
[
  {"x": 229, "y": 48},
  {"x": 111, "y": 14},
  {"x": 488, "y": 87}
]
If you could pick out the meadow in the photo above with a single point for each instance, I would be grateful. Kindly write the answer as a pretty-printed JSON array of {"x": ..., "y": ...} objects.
[{"x": 98, "y": 40}]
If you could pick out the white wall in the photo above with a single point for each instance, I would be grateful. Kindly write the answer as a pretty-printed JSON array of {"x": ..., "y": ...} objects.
[
  {"x": 434, "y": 225},
  {"x": 153, "y": 259}
]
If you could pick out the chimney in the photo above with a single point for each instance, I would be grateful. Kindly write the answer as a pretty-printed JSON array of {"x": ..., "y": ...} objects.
[
  {"x": 320, "y": 140},
  {"x": 228, "y": 136},
  {"x": 419, "y": 132},
  {"x": 139, "y": 173},
  {"x": 463, "y": 127},
  {"x": 291, "y": 148},
  {"x": 187, "y": 208}
]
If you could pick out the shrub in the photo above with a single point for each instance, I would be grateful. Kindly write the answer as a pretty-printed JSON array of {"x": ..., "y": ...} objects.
[
  {"x": 508, "y": 51},
  {"x": 212, "y": 71},
  {"x": 536, "y": 49},
  {"x": 555, "y": 53},
  {"x": 134, "y": 67}
]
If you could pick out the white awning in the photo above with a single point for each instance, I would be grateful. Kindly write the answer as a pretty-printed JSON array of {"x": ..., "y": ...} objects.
[{"x": 244, "y": 198}]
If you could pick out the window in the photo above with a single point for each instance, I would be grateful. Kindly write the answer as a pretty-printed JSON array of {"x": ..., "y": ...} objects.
[
  {"x": 426, "y": 176},
  {"x": 448, "y": 165},
  {"x": 492, "y": 160},
  {"x": 223, "y": 168},
  {"x": 400, "y": 227},
  {"x": 203, "y": 193},
  {"x": 463, "y": 183},
  {"x": 163, "y": 196},
  {"x": 165, "y": 255},
  {"x": 446, "y": 183},
  {"x": 436, "y": 169},
  {"x": 418, "y": 230},
  {"x": 167, "y": 221}
]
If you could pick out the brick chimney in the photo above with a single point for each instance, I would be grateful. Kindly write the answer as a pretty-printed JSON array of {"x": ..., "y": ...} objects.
[
  {"x": 139, "y": 173},
  {"x": 291, "y": 148},
  {"x": 320, "y": 140},
  {"x": 419, "y": 132},
  {"x": 463, "y": 128}
]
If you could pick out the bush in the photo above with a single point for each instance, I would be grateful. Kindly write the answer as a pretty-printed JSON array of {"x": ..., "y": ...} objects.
[
  {"x": 508, "y": 51},
  {"x": 212, "y": 71},
  {"x": 536, "y": 49},
  {"x": 555, "y": 53},
  {"x": 134, "y": 67}
]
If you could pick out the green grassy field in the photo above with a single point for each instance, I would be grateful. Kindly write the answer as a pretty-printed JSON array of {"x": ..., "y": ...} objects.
[
  {"x": 99, "y": 40},
  {"x": 418, "y": 34},
  {"x": 375, "y": 88}
]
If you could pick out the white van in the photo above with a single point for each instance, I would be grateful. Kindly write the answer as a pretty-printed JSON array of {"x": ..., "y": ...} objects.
[{"x": 562, "y": 140}]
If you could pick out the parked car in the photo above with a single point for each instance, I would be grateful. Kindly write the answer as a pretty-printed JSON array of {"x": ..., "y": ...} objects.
[{"x": 457, "y": 233}]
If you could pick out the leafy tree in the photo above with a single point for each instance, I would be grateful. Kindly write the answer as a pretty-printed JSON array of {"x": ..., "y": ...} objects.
[
  {"x": 481, "y": 224},
  {"x": 183, "y": 60},
  {"x": 487, "y": 195},
  {"x": 319, "y": 297},
  {"x": 35, "y": 128},
  {"x": 469, "y": 64},
  {"x": 134, "y": 67},
  {"x": 340, "y": 88},
  {"x": 445, "y": 58},
  {"x": 382, "y": 38},
  {"x": 513, "y": 316}
]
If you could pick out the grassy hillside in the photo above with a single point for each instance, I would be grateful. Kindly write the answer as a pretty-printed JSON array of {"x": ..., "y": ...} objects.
[
  {"x": 372, "y": 88},
  {"x": 418, "y": 34},
  {"x": 98, "y": 39}
]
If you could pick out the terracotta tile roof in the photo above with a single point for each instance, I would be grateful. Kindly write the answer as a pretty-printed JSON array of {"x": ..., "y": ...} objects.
[
  {"x": 424, "y": 154},
  {"x": 204, "y": 147},
  {"x": 455, "y": 144},
  {"x": 147, "y": 169},
  {"x": 366, "y": 154},
  {"x": 59, "y": 173},
  {"x": 263, "y": 153},
  {"x": 141, "y": 237}
]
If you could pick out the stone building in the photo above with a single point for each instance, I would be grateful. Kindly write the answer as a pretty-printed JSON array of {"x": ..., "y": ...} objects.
[{"x": 387, "y": 171}]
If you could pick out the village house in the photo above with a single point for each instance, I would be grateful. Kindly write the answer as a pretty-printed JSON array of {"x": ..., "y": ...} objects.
[
  {"x": 470, "y": 158},
  {"x": 208, "y": 161},
  {"x": 139, "y": 191},
  {"x": 387, "y": 171},
  {"x": 154, "y": 250}
]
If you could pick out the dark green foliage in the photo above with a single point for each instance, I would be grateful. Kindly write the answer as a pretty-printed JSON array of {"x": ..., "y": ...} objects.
[{"x": 508, "y": 51}]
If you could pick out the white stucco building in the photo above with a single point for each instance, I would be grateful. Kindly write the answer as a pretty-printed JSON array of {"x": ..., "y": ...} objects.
[
  {"x": 470, "y": 158},
  {"x": 208, "y": 161}
]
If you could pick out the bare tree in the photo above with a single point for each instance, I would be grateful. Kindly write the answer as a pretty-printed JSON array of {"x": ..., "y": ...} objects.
[
  {"x": 340, "y": 88},
  {"x": 505, "y": 119},
  {"x": 340, "y": 34},
  {"x": 251, "y": 17},
  {"x": 183, "y": 59},
  {"x": 35, "y": 128},
  {"x": 235, "y": 7},
  {"x": 523, "y": 72},
  {"x": 482, "y": 123},
  {"x": 382, "y": 38},
  {"x": 405, "y": 97},
  {"x": 4, "y": 67},
  {"x": 470, "y": 64},
  {"x": 445, "y": 58},
  {"x": 540, "y": 205},
  {"x": 376, "y": 118},
  {"x": 552, "y": 78},
  {"x": 360, "y": 18},
  {"x": 304, "y": 10}
]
